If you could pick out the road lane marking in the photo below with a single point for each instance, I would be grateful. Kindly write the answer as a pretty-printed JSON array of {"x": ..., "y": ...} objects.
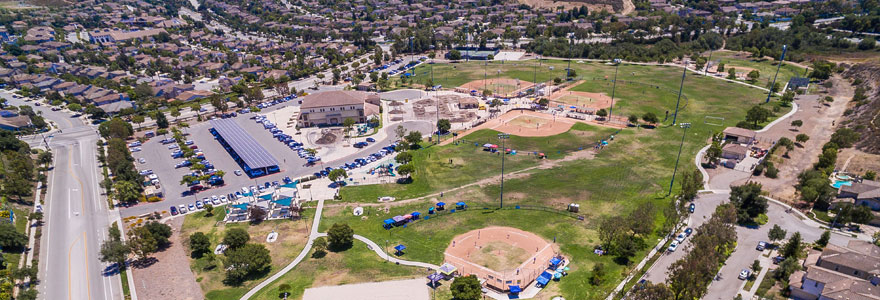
[
  {"x": 86, "y": 262},
  {"x": 69, "y": 285},
  {"x": 82, "y": 206}
]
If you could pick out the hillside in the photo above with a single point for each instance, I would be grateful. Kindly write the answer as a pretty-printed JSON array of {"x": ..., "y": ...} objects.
[{"x": 864, "y": 115}]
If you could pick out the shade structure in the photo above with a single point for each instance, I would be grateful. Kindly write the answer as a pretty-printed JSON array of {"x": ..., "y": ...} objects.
[
  {"x": 398, "y": 218},
  {"x": 240, "y": 205},
  {"x": 460, "y": 204},
  {"x": 555, "y": 261},
  {"x": 388, "y": 221},
  {"x": 515, "y": 289},
  {"x": 286, "y": 201},
  {"x": 399, "y": 247},
  {"x": 544, "y": 278},
  {"x": 407, "y": 217},
  {"x": 447, "y": 269},
  {"x": 487, "y": 145},
  {"x": 441, "y": 203},
  {"x": 557, "y": 275},
  {"x": 416, "y": 214},
  {"x": 265, "y": 197}
]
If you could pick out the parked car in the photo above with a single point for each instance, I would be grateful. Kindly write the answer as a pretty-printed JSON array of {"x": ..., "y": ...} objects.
[
  {"x": 692, "y": 207},
  {"x": 224, "y": 199},
  {"x": 673, "y": 246},
  {"x": 173, "y": 211},
  {"x": 191, "y": 207},
  {"x": 199, "y": 204},
  {"x": 688, "y": 231},
  {"x": 744, "y": 274},
  {"x": 371, "y": 140},
  {"x": 761, "y": 246},
  {"x": 680, "y": 238},
  {"x": 182, "y": 208},
  {"x": 237, "y": 172},
  {"x": 142, "y": 160}
]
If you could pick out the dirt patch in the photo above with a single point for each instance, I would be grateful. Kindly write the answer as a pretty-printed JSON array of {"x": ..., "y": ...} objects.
[
  {"x": 597, "y": 5},
  {"x": 328, "y": 136},
  {"x": 499, "y": 256},
  {"x": 584, "y": 100},
  {"x": 170, "y": 276},
  {"x": 500, "y": 87}
]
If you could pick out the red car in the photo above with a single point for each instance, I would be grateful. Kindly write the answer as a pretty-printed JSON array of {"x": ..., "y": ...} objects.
[
  {"x": 194, "y": 147},
  {"x": 196, "y": 188}
]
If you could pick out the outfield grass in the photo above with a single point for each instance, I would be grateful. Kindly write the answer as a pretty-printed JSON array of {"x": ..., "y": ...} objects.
[
  {"x": 291, "y": 240},
  {"x": 767, "y": 68},
  {"x": 469, "y": 163}
]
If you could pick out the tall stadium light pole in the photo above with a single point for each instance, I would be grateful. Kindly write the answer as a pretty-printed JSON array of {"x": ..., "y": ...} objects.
[
  {"x": 535, "y": 80},
  {"x": 411, "y": 51},
  {"x": 502, "y": 137},
  {"x": 570, "y": 43},
  {"x": 680, "y": 88},
  {"x": 770, "y": 92},
  {"x": 706, "y": 71},
  {"x": 613, "y": 87},
  {"x": 467, "y": 56},
  {"x": 680, "y": 146}
]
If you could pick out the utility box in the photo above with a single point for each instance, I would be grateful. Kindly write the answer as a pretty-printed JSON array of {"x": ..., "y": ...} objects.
[{"x": 574, "y": 207}]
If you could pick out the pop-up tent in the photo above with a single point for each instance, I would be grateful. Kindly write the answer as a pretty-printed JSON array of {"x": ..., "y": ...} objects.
[
  {"x": 515, "y": 289},
  {"x": 544, "y": 278}
]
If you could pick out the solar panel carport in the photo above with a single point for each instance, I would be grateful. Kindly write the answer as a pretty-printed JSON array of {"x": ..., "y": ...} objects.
[{"x": 250, "y": 155}]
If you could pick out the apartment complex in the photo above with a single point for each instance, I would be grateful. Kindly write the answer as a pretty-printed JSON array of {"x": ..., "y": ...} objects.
[{"x": 851, "y": 272}]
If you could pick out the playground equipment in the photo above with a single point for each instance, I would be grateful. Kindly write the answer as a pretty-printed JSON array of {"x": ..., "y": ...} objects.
[{"x": 383, "y": 170}]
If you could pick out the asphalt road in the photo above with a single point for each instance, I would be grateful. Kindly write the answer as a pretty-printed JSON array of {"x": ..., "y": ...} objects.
[{"x": 75, "y": 214}]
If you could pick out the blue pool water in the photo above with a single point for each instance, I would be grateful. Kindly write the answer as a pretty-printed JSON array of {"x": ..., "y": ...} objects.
[{"x": 838, "y": 183}]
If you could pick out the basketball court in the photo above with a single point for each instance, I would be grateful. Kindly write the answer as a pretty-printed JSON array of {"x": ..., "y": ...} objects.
[{"x": 502, "y": 256}]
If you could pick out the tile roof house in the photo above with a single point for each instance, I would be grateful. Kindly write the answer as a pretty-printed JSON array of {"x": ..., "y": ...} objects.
[
  {"x": 851, "y": 272},
  {"x": 864, "y": 193}
]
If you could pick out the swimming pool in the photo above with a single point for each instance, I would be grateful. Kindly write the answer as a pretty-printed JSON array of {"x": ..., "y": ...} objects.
[
  {"x": 838, "y": 183},
  {"x": 843, "y": 177}
]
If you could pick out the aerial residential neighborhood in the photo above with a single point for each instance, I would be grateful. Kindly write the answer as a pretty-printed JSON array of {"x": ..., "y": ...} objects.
[{"x": 460, "y": 150}]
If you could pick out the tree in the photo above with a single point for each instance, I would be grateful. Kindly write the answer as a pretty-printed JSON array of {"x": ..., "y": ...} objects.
[
  {"x": 787, "y": 267},
  {"x": 161, "y": 232},
  {"x": 787, "y": 98},
  {"x": 845, "y": 137},
  {"x": 126, "y": 191},
  {"x": 598, "y": 274},
  {"x": 209, "y": 210},
  {"x": 443, "y": 125},
  {"x": 793, "y": 247},
  {"x": 868, "y": 43},
  {"x": 602, "y": 113},
  {"x": 256, "y": 214},
  {"x": 74, "y": 107},
  {"x": 245, "y": 262},
  {"x": 633, "y": 119},
  {"x": 236, "y": 237},
  {"x": 285, "y": 290},
  {"x": 823, "y": 239},
  {"x": 748, "y": 201},
  {"x": 320, "y": 246},
  {"x": 713, "y": 154},
  {"x": 413, "y": 138},
  {"x": 337, "y": 175},
  {"x": 340, "y": 236},
  {"x": 114, "y": 251},
  {"x": 650, "y": 291},
  {"x": 399, "y": 132},
  {"x": 466, "y": 288},
  {"x": 219, "y": 102},
  {"x": 691, "y": 183},
  {"x": 650, "y": 118},
  {"x": 115, "y": 128},
  {"x": 406, "y": 170},
  {"x": 731, "y": 73},
  {"x": 45, "y": 158},
  {"x": 757, "y": 114},
  {"x": 403, "y": 157},
  {"x": 870, "y": 175},
  {"x": 141, "y": 242},
  {"x": 753, "y": 76},
  {"x": 348, "y": 123},
  {"x": 797, "y": 123},
  {"x": 161, "y": 120},
  {"x": 454, "y": 55},
  {"x": 776, "y": 234},
  {"x": 802, "y": 138},
  {"x": 199, "y": 244}
]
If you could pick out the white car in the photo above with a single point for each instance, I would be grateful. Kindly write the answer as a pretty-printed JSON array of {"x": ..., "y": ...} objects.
[
  {"x": 215, "y": 199},
  {"x": 673, "y": 246},
  {"x": 136, "y": 149},
  {"x": 237, "y": 172},
  {"x": 153, "y": 176},
  {"x": 182, "y": 208},
  {"x": 744, "y": 274},
  {"x": 224, "y": 199},
  {"x": 142, "y": 160},
  {"x": 680, "y": 238},
  {"x": 173, "y": 146}
]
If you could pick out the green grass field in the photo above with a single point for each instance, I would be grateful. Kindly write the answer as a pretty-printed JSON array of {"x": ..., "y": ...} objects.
[
  {"x": 767, "y": 68},
  {"x": 634, "y": 170}
]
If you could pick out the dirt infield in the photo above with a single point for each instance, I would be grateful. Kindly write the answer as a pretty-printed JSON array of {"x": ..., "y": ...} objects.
[
  {"x": 499, "y": 86},
  {"x": 521, "y": 256},
  {"x": 583, "y": 100},
  {"x": 511, "y": 123}
]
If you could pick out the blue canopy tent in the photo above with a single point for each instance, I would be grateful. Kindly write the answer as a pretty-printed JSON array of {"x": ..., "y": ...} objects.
[
  {"x": 440, "y": 205},
  {"x": 266, "y": 197},
  {"x": 544, "y": 278},
  {"x": 388, "y": 223},
  {"x": 416, "y": 215},
  {"x": 515, "y": 289},
  {"x": 286, "y": 201},
  {"x": 555, "y": 261},
  {"x": 399, "y": 249},
  {"x": 460, "y": 205},
  {"x": 434, "y": 278},
  {"x": 430, "y": 210}
]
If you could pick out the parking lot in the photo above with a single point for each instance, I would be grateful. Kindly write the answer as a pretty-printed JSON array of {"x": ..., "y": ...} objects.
[{"x": 158, "y": 158}]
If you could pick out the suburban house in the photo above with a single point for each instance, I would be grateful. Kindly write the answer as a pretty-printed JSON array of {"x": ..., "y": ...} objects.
[
  {"x": 332, "y": 108},
  {"x": 851, "y": 272},
  {"x": 739, "y": 135},
  {"x": 866, "y": 193},
  {"x": 14, "y": 122}
]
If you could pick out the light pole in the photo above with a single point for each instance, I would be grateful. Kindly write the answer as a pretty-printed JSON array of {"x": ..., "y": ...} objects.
[
  {"x": 568, "y": 70},
  {"x": 685, "y": 126},
  {"x": 680, "y": 88},
  {"x": 777, "y": 73},
  {"x": 613, "y": 87},
  {"x": 502, "y": 137}
]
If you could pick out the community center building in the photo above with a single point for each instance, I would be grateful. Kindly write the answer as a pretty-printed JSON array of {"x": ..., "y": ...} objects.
[{"x": 333, "y": 108}]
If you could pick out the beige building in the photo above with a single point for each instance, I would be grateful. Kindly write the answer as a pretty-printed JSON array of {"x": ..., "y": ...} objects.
[
  {"x": 839, "y": 273},
  {"x": 332, "y": 108}
]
